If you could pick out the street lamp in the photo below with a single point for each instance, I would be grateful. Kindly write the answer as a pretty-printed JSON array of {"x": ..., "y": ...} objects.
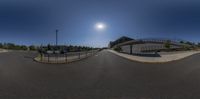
[{"x": 56, "y": 37}]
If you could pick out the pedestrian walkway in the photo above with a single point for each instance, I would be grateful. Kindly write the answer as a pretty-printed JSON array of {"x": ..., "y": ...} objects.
[
  {"x": 162, "y": 59},
  {"x": 3, "y": 51}
]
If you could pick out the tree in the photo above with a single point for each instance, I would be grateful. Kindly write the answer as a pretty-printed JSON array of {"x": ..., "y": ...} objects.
[
  {"x": 181, "y": 42},
  {"x": 167, "y": 44},
  {"x": 48, "y": 47},
  {"x": 32, "y": 48},
  {"x": 118, "y": 49},
  {"x": 198, "y": 44},
  {"x": 189, "y": 43},
  {"x": 1, "y": 45},
  {"x": 11, "y": 46},
  {"x": 23, "y": 47}
]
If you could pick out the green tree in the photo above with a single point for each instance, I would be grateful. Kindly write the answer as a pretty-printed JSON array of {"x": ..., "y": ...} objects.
[
  {"x": 1, "y": 45},
  {"x": 181, "y": 42},
  {"x": 198, "y": 44},
  {"x": 118, "y": 49},
  {"x": 23, "y": 47},
  {"x": 189, "y": 43},
  {"x": 11, "y": 46},
  {"x": 49, "y": 47},
  {"x": 32, "y": 48},
  {"x": 167, "y": 44}
]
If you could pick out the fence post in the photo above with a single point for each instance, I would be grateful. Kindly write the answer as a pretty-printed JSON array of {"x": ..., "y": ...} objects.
[
  {"x": 79, "y": 56},
  {"x": 131, "y": 47},
  {"x": 55, "y": 57},
  {"x": 66, "y": 57},
  {"x": 48, "y": 57},
  {"x": 41, "y": 57}
]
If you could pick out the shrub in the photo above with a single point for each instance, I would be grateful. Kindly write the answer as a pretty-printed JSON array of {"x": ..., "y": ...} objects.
[
  {"x": 167, "y": 44},
  {"x": 118, "y": 49}
]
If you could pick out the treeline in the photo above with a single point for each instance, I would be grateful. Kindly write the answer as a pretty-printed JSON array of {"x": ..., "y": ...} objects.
[
  {"x": 12, "y": 46},
  {"x": 188, "y": 43},
  {"x": 65, "y": 48},
  {"x": 192, "y": 45},
  {"x": 61, "y": 48}
]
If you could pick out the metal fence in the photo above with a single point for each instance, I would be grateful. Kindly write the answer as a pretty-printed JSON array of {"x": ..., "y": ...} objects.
[{"x": 67, "y": 57}]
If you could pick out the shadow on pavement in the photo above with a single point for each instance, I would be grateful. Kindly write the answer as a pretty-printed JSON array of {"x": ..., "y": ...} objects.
[{"x": 145, "y": 54}]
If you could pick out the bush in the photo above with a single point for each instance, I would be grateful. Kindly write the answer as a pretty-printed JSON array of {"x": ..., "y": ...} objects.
[
  {"x": 167, "y": 44},
  {"x": 32, "y": 48},
  {"x": 118, "y": 49}
]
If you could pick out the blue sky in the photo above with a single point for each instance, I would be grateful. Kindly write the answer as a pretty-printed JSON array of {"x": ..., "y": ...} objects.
[{"x": 35, "y": 21}]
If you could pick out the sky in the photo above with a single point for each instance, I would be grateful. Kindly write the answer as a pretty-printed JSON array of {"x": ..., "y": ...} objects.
[{"x": 34, "y": 22}]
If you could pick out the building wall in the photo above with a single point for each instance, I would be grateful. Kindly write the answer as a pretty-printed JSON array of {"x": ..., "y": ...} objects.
[
  {"x": 125, "y": 49},
  {"x": 147, "y": 47}
]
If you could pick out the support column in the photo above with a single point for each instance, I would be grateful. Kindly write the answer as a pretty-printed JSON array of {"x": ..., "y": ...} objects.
[{"x": 131, "y": 49}]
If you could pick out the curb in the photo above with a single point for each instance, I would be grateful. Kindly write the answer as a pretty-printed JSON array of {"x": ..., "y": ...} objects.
[{"x": 151, "y": 62}]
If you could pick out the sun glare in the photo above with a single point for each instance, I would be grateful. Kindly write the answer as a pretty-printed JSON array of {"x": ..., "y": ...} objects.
[{"x": 100, "y": 26}]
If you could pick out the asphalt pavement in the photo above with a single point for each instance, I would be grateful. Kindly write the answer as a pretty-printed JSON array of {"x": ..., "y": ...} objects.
[{"x": 102, "y": 76}]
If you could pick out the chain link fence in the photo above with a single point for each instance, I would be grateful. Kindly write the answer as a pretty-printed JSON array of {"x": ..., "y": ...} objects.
[{"x": 64, "y": 58}]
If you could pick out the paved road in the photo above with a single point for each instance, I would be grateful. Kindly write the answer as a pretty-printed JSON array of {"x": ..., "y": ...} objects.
[{"x": 104, "y": 76}]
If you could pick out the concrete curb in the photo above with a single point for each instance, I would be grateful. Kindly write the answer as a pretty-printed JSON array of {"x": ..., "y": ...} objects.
[
  {"x": 3, "y": 51},
  {"x": 162, "y": 59}
]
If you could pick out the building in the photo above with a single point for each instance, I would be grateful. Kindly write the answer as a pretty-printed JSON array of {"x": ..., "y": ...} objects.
[
  {"x": 131, "y": 46},
  {"x": 118, "y": 41}
]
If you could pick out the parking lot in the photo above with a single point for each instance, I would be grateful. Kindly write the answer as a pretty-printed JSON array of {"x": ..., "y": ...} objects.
[{"x": 102, "y": 76}]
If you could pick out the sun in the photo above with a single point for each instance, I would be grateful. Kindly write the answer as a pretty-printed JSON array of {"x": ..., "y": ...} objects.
[{"x": 100, "y": 26}]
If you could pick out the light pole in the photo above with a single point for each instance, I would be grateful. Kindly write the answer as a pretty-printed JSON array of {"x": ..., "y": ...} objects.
[
  {"x": 56, "y": 37},
  {"x": 56, "y": 44}
]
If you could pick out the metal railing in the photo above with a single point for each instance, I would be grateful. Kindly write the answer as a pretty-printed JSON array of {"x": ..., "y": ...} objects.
[{"x": 64, "y": 58}]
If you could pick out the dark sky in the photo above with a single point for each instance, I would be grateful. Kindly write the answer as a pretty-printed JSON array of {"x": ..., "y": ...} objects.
[{"x": 34, "y": 21}]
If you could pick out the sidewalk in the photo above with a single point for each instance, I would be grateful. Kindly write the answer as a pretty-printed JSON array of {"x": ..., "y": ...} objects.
[
  {"x": 164, "y": 58},
  {"x": 3, "y": 50}
]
